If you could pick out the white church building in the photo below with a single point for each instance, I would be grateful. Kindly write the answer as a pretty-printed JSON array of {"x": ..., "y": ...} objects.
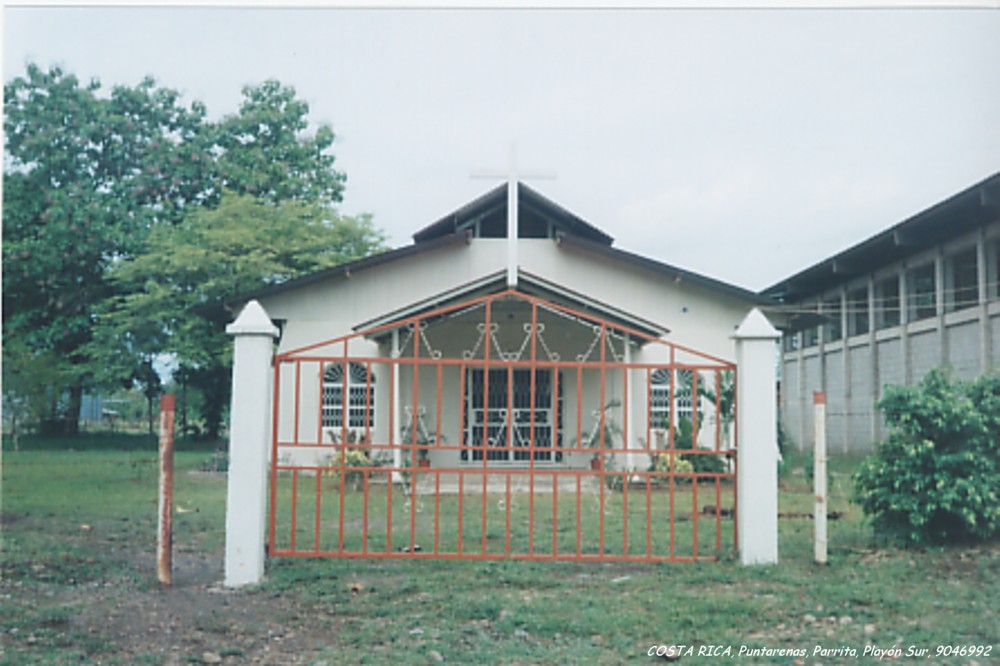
[
  {"x": 510, "y": 346},
  {"x": 428, "y": 301}
]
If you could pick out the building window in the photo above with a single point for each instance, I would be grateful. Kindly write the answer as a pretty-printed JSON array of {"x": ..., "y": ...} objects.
[
  {"x": 810, "y": 336},
  {"x": 857, "y": 311},
  {"x": 963, "y": 280},
  {"x": 659, "y": 398},
  {"x": 791, "y": 341},
  {"x": 360, "y": 401},
  {"x": 832, "y": 329},
  {"x": 538, "y": 424},
  {"x": 994, "y": 274},
  {"x": 921, "y": 293},
  {"x": 887, "y": 308}
]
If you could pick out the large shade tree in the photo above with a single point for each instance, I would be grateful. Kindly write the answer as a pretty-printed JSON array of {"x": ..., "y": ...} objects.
[
  {"x": 95, "y": 180},
  {"x": 86, "y": 177},
  {"x": 173, "y": 294}
]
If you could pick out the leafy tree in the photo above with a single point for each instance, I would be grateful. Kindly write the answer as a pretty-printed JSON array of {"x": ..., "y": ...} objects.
[
  {"x": 937, "y": 476},
  {"x": 30, "y": 387},
  {"x": 263, "y": 151},
  {"x": 172, "y": 296},
  {"x": 89, "y": 176},
  {"x": 86, "y": 177}
]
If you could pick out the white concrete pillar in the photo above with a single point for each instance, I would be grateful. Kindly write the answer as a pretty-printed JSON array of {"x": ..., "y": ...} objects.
[
  {"x": 249, "y": 433},
  {"x": 397, "y": 408},
  {"x": 630, "y": 458},
  {"x": 757, "y": 451}
]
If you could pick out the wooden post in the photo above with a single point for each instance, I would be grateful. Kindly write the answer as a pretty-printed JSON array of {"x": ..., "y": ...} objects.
[
  {"x": 164, "y": 549},
  {"x": 819, "y": 473}
]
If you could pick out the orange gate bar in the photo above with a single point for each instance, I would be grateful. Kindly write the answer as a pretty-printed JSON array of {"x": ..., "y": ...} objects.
[{"x": 545, "y": 491}]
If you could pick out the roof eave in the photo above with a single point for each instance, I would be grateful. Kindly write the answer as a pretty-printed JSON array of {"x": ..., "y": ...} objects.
[
  {"x": 910, "y": 236},
  {"x": 673, "y": 272},
  {"x": 346, "y": 270}
]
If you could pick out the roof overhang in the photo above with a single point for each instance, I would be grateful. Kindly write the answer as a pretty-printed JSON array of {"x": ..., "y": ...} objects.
[
  {"x": 528, "y": 284},
  {"x": 673, "y": 273},
  {"x": 346, "y": 270},
  {"x": 955, "y": 216}
]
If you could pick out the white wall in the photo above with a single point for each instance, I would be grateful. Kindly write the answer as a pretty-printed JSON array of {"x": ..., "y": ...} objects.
[{"x": 696, "y": 316}]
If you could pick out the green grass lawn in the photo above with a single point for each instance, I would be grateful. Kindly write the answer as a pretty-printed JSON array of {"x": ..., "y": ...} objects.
[
  {"x": 79, "y": 527},
  {"x": 574, "y": 522}
]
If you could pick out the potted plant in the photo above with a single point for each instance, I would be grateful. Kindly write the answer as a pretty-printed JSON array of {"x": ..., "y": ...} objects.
[
  {"x": 612, "y": 431},
  {"x": 423, "y": 440}
]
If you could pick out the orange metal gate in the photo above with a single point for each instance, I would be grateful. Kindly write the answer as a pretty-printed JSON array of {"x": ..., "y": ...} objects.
[{"x": 505, "y": 426}]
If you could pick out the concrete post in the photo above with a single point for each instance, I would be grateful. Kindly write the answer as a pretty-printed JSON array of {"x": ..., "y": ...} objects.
[
  {"x": 757, "y": 428},
  {"x": 250, "y": 418},
  {"x": 819, "y": 475},
  {"x": 630, "y": 402}
]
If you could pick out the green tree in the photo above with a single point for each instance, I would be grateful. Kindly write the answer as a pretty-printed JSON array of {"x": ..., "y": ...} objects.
[
  {"x": 86, "y": 177},
  {"x": 89, "y": 176},
  {"x": 265, "y": 151},
  {"x": 172, "y": 296}
]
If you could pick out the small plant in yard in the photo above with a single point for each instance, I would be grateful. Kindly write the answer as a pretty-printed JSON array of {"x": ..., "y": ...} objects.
[
  {"x": 937, "y": 477},
  {"x": 685, "y": 439},
  {"x": 352, "y": 458},
  {"x": 663, "y": 464},
  {"x": 414, "y": 431},
  {"x": 606, "y": 425}
]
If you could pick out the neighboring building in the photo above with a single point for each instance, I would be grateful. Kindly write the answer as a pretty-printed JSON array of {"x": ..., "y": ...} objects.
[
  {"x": 413, "y": 327},
  {"x": 921, "y": 295}
]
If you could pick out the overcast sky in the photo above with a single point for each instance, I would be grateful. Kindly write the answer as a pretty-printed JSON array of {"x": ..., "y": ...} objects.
[{"x": 745, "y": 145}]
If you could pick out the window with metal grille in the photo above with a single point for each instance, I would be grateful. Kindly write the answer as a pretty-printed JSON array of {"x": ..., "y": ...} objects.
[
  {"x": 963, "y": 280},
  {"x": 832, "y": 328},
  {"x": 887, "y": 307},
  {"x": 510, "y": 405},
  {"x": 921, "y": 293},
  {"x": 993, "y": 270},
  {"x": 659, "y": 398},
  {"x": 360, "y": 401},
  {"x": 857, "y": 311}
]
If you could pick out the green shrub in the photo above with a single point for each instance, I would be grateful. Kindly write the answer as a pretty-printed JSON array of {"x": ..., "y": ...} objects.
[
  {"x": 937, "y": 476},
  {"x": 684, "y": 439}
]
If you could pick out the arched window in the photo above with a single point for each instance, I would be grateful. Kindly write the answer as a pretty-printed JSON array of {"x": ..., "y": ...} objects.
[
  {"x": 659, "y": 397},
  {"x": 360, "y": 401}
]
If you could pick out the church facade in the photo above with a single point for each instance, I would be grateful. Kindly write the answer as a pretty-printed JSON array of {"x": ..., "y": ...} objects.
[{"x": 477, "y": 352}]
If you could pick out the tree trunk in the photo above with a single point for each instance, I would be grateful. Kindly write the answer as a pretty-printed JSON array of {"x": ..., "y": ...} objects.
[
  {"x": 214, "y": 383},
  {"x": 149, "y": 413},
  {"x": 73, "y": 410}
]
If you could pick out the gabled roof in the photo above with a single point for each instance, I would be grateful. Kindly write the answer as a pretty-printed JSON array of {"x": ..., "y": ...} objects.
[
  {"x": 565, "y": 228},
  {"x": 953, "y": 217},
  {"x": 539, "y": 217}
]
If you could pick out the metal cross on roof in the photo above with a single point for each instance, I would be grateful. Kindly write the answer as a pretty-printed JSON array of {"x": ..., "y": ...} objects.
[{"x": 512, "y": 175}]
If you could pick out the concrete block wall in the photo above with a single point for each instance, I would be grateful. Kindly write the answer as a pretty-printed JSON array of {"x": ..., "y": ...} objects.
[
  {"x": 963, "y": 349},
  {"x": 855, "y": 371},
  {"x": 925, "y": 354}
]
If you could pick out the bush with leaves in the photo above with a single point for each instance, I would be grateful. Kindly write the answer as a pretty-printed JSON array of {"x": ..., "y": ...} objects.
[
  {"x": 936, "y": 478},
  {"x": 700, "y": 462}
]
